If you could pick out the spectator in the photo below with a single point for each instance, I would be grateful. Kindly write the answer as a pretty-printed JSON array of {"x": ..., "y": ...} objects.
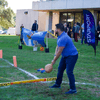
[
  {"x": 21, "y": 36},
  {"x": 77, "y": 29},
  {"x": 73, "y": 30},
  {"x": 35, "y": 26},
  {"x": 83, "y": 35},
  {"x": 98, "y": 32},
  {"x": 66, "y": 28},
  {"x": 69, "y": 27}
]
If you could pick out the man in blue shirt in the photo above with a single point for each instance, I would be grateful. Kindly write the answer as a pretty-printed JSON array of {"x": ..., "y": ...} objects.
[{"x": 66, "y": 48}]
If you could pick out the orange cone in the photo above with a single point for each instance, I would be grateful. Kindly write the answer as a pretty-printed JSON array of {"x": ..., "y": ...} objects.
[
  {"x": 0, "y": 53},
  {"x": 14, "y": 61}
]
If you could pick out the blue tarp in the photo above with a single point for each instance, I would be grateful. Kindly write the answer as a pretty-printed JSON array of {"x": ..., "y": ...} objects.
[{"x": 37, "y": 36}]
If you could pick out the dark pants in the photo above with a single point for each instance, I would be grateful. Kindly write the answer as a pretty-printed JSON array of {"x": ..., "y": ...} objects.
[
  {"x": 98, "y": 38},
  {"x": 76, "y": 35},
  {"x": 83, "y": 36},
  {"x": 21, "y": 40},
  {"x": 69, "y": 33},
  {"x": 67, "y": 63}
]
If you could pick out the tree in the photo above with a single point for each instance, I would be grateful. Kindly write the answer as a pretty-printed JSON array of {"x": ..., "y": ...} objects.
[
  {"x": 6, "y": 15},
  {"x": 3, "y": 3}
]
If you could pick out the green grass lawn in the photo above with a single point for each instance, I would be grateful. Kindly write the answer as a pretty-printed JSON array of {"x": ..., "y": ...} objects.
[{"x": 87, "y": 70}]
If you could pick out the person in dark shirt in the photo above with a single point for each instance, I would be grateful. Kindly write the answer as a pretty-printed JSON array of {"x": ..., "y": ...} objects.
[
  {"x": 98, "y": 32},
  {"x": 65, "y": 28},
  {"x": 35, "y": 26},
  {"x": 21, "y": 36},
  {"x": 73, "y": 30},
  {"x": 69, "y": 32}
]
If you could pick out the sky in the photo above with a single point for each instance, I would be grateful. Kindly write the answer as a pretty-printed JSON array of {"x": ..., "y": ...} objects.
[{"x": 20, "y": 4}]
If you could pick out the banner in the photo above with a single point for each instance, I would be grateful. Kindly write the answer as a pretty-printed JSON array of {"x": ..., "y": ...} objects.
[
  {"x": 89, "y": 28},
  {"x": 31, "y": 38}
]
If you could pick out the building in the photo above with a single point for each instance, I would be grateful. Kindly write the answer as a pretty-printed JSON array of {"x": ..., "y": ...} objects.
[
  {"x": 51, "y": 12},
  {"x": 25, "y": 17}
]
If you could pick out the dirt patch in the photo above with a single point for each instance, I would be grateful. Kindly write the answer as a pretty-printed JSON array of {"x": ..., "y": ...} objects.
[
  {"x": 36, "y": 73},
  {"x": 82, "y": 88},
  {"x": 98, "y": 94},
  {"x": 95, "y": 91},
  {"x": 1, "y": 41},
  {"x": 96, "y": 78}
]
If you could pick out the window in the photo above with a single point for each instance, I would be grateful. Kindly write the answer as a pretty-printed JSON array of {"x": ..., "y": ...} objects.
[
  {"x": 70, "y": 19},
  {"x": 78, "y": 17},
  {"x": 63, "y": 18}
]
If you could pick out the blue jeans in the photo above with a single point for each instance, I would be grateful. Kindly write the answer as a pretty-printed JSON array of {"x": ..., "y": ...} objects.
[
  {"x": 83, "y": 35},
  {"x": 67, "y": 63}
]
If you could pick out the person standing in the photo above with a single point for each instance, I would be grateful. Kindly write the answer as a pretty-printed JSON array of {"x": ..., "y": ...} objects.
[
  {"x": 21, "y": 36},
  {"x": 77, "y": 29},
  {"x": 69, "y": 32},
  {"x": 98, "y": 32},
  {"x": 83, "y": 34},
  {"x": 35, "y": 26},
  {"x": 66, "y": 28},
  {"x": 73, "y": 30},
  {"x": 66, "y": 48}
]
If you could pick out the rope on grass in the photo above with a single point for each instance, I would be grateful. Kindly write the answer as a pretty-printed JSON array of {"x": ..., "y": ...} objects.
[
  {"x": 90, "y": 84},
  {"x": 28, "y": 81}
]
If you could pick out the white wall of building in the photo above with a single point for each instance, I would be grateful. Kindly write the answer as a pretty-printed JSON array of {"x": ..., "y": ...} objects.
[
  {"x": 42, "y": 21},
  {"x": 65, "y": 4},
  {"x": 26, "y": 20}
]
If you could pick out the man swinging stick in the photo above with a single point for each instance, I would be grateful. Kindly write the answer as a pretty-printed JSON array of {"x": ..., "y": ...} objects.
[{"x": 66, "y": 48}]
